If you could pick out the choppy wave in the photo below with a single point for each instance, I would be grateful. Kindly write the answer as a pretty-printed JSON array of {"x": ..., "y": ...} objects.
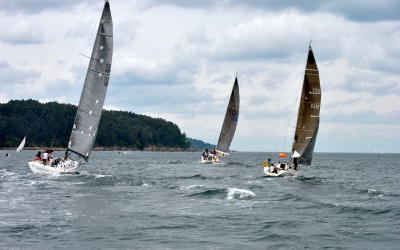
[
  {"x": 239, "y": 194},
  {"x": 159, "y": 203},
  {"x": 235, "y": 163},
  {"x": 210, "y": 193},
  {"x": 196, "y": 176},
  {"x": 190, "y": 187},
  {"x": 311, "y": 180},
  {"x": 377, "y": 193},
  {"x": 226, "y": 193},
  {"x": 174, "y": 162},
  {"x": 109, "y": 180}
]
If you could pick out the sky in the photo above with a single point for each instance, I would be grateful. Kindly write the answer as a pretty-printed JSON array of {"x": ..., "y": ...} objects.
[{"x": 177, "y": 60}]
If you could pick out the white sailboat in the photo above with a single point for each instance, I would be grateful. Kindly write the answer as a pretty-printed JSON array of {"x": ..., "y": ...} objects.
[
  {"x": 21, "y": 145},
  {"x": 228, "y": 128},
  {"x": 90, "y": 106},
  {"x": 307, "y": 124}
]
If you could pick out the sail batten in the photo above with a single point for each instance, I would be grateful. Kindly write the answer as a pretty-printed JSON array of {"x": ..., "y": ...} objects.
[
  {"x": 101, "y": 72},
  {"x": 230, "y": 120},
  {"x": 94, "y": 90},
  {"x": 308, "y": 113}
]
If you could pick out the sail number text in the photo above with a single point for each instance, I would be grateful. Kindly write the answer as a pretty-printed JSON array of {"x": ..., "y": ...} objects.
[
  {"x": 315, "y": 90},
  {"x": 314, "y": 106}
]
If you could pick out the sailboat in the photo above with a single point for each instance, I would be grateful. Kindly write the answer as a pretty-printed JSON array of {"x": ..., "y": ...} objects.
[
  {"x": 84, "y": 130},
  {"x": 307, "y": 124},
  {"x": 228, "y": 128},
  {"x": 21, "y": 145}
]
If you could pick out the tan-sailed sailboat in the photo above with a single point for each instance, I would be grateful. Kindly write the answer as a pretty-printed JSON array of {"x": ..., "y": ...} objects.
[
  {"x": 307, "y": 124},
  {"x": 228, "y": 128}
]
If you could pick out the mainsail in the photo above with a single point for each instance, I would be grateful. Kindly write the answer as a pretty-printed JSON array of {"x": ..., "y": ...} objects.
[
  {"x": 230, "y": 121},
  {"x": 308, "y": 115},
  {"x": 90, "y": 106},
  {"x": 21, "y": 145}
]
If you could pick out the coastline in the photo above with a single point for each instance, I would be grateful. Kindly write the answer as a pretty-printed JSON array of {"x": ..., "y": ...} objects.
[{"x": 151, "y": 148}]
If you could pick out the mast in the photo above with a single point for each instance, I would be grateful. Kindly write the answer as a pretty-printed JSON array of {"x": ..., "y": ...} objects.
[
  {"x": 84, "y": 130},
  {"x": 308, "y": 116},
  {"x": 231, "y": 119}
]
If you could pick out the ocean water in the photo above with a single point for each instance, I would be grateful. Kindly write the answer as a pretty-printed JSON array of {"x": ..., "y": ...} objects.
[{"x": 167, "y": 200}]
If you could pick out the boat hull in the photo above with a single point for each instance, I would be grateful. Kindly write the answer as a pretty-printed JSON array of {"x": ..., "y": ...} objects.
[
  {"x": 282, "y": 170},
  {"x": 209, "y": 160},
  {"x": 63, "y": 167}
]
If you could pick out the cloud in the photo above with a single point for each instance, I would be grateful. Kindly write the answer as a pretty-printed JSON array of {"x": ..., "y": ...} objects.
[
  {"x": 364, "y": 11},
  {"x": 20, "y": 32},
  {"x": 38, "y": 6},
  {"x": 178, "y": 59}
]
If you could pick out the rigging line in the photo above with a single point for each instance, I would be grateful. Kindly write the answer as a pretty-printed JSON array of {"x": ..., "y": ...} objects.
[
  {"x": 88, "y": 42},
  {"x": 292, "y": 110}
]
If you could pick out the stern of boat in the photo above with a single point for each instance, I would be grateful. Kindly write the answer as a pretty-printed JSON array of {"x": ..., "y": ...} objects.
[
  {"x": 63, "y": 167},
  {"x": 284, "y": 170}
]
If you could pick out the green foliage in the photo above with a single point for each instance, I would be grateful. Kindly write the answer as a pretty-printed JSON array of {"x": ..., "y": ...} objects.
[
  {"x": 199, "y": 145},
  {"x": 50, "y": 124}
]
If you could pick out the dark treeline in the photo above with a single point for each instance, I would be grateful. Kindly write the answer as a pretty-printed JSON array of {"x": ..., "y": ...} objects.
[
  {"x": 199, "y": 145},
  {"x": 50, "y": 124}
]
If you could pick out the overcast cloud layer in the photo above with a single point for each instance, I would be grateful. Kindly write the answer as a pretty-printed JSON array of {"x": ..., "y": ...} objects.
[{"x": 177, "y": 59}]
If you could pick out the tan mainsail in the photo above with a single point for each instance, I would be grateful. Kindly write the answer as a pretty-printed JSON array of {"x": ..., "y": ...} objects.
[
  {"x": 230, "y": 121},
  {"x": 308, "y": 115}
]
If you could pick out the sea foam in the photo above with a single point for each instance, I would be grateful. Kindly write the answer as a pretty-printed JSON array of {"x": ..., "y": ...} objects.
[{"x": 236, "y": 193}]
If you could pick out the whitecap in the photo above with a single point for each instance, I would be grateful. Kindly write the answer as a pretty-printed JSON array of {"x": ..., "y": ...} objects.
[
  {"x": 236, "y": 193},
  {"x": 101, "y": 175},
  {"x": 190, "y": 187}
]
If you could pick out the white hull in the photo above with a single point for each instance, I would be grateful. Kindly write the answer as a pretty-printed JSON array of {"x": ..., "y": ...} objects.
[
  {"x": 63, "y": 167},
  {"x": 209, "y": 160},
  {"x": 283, "y": 169}
]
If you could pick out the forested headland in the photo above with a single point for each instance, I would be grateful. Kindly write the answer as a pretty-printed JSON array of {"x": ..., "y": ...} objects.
[{"x": 50, "y": 124}]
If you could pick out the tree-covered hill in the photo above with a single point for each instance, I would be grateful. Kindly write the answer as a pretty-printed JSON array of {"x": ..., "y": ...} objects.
[
  {"x": 50, "y": 124},
  {"x": 199, "y": 145}
]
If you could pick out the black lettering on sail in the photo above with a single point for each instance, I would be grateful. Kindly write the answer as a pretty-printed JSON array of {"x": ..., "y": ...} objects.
[
  {"x": 108, "y": 68},
  {"x": 78, "y": 119},
  {"x": 106, "y": 79}
]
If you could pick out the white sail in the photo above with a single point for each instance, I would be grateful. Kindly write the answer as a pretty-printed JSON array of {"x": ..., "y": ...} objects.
[{"x": 22, "y": 145}]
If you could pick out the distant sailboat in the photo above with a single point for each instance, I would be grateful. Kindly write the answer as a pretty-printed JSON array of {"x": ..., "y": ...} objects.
[
  {"x": 84, "y": 130},
  {"x": 307, "y": 122},
  {"x": 228, "y": 128},
  {"x": 21, "y": 145}
]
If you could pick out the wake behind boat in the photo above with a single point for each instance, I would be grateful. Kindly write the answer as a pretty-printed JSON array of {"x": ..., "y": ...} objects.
[
  {"x": 90, "y": 106},
  {"x": 307, "y": 124},
  {"x": 228, "y": 128}
]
